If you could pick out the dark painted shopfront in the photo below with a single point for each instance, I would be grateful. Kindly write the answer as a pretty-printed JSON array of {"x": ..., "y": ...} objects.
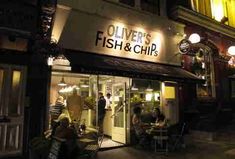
[{"x": 209, "y": 58}]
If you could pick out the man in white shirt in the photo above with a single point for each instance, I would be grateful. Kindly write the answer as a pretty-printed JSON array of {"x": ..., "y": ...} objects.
[{"x": 108, "y": 101}]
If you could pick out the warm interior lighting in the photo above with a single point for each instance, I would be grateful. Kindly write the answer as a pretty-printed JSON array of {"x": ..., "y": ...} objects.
[
  {"x": 231, "y": 50},
  {"x": 134, "y": 88},
  {"x": 169, "y": 92},
  {"x": 149, "y": 89},
  {"x": 148, "y": 96},
  {"x": 157, "y": 96},
  {"x": 62, "y": 82},
  {"x": 217, "y": 8},
  {"x": 194, "y": 38},
  {"x": 85, "y": 85}
]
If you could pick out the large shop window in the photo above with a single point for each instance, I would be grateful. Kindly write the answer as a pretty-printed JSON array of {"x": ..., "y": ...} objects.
[
  {"x": 145, "y": 93},
  {"x": 76, "y": 96},
  {"x": 73, "y": 96}
]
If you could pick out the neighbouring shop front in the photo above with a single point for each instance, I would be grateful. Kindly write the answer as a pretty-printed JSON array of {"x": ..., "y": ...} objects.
[{"x": 137, "y": 66}]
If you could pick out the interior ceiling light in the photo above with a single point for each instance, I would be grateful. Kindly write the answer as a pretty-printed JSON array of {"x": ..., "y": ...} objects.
[
  {"x": 231, "y": 50},
  {"x": 85, "y": 85},
  {"x": 194, "y": 38},
  {"x": 134, "y": 88},
  {"x": 62, "y": 82}
]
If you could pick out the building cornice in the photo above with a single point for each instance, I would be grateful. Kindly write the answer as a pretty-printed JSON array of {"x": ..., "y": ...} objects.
[{"x": 189, "y": 16}]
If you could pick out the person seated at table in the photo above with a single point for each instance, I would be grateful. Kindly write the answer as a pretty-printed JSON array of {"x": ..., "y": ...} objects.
[
  {"x": 161, "y": 121},
  {"x": 64, "y": 131},
  {"x": 144, "y": 138}
]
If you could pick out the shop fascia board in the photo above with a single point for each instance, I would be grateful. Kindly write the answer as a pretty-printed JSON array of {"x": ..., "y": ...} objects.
[{"x": 187, "y": 15}]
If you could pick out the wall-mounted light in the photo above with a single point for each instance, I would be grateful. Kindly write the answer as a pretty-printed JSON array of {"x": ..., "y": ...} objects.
[
  {"x": 231, "y": 50},
  {"x": 194, "y": 38}
]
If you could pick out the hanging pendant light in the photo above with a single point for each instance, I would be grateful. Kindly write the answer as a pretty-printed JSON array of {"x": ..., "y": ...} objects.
[
  {"x": 134, "y": 88},
  {"x": 149, "y": 88},
  {"x": 62, "y": 82}
]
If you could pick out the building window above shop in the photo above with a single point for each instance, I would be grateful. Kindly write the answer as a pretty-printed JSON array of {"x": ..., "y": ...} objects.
[
  {"x": 220, "y": 10},
  {"x": 151, "y": 6}
]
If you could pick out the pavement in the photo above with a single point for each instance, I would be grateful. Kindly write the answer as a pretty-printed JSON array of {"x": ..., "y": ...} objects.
[{"x": 195, "y": 149}]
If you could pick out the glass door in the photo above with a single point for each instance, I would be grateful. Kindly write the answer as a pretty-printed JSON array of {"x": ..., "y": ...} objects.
[
  {"x": 12, "y": 86},
  {"x": 119, "y": 112}
]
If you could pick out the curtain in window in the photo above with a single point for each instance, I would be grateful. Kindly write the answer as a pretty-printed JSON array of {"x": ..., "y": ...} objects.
[{"x": 230, "y": 6}]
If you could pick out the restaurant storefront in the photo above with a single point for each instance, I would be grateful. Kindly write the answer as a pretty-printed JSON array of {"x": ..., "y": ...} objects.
[{"x": 136, "y": 62}]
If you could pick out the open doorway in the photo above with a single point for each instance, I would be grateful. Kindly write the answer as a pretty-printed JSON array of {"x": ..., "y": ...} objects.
[{"x": 76, "y": 96}]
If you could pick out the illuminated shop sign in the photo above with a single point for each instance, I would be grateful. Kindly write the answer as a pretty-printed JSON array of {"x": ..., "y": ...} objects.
[{"x": 128, "y": 40}]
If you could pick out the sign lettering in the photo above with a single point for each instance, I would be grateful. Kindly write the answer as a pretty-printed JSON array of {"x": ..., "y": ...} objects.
[{"x": 127, "y": 40}]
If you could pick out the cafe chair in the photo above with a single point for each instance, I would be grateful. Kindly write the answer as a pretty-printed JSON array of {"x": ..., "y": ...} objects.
[
  {"x": 91, "y": 149},
  {"x": 160, "y": 139},
  {"x": 178, "y": 139}
]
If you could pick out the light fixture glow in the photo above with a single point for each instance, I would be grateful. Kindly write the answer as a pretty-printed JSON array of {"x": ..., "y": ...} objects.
[
  {"x": 231, "y": 50},
  {"x": 157, "y": 96},
  {"x": 194, "y": 38},
  {"x": 50, "y": 60},
  {"x": 134, "y": 88},
  {"x": 149, "y": 89},
  {"x": 148, "y": 96},
  {"x": 84, "y": 85},
  {"x": 62, "y": 82}
]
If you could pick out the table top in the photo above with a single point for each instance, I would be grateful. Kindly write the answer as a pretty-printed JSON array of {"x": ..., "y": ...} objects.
[{"x": 86, "y": 140}]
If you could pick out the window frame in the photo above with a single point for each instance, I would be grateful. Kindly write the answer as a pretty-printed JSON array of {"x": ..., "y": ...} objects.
[{"x": 137, "y": 6}]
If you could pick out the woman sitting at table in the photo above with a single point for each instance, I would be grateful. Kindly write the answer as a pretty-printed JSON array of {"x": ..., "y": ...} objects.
[
  {"x": 161, "y": 121},
  {"x": 144, "y": 138}
]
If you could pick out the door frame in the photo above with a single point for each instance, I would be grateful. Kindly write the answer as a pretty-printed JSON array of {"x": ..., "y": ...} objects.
[
  {"x": 6, "y": 86},
  {"x": 124, "y": 117}
]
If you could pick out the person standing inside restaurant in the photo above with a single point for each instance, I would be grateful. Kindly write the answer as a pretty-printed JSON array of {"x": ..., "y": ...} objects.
[
  {"x": 101, "y": 111},
  {"x": 108, "y": 101}
]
